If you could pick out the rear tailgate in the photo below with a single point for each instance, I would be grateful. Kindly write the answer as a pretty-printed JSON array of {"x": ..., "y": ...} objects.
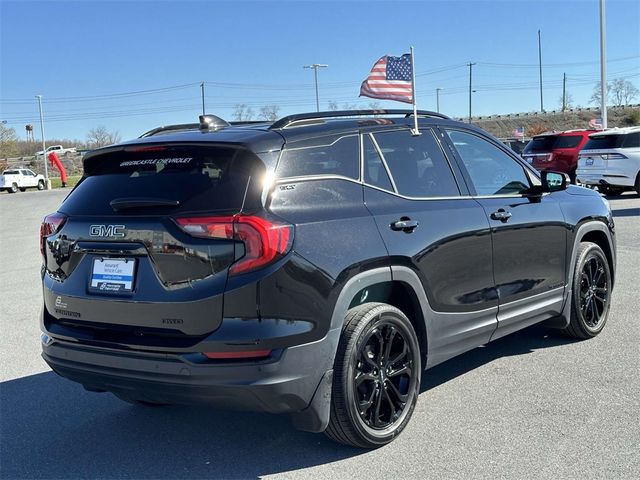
[{"x": 120, "y": 260}]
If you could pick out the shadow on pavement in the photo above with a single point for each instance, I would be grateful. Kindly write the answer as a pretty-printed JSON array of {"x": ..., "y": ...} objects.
[
  {"x": 627, "y": 212},
  {"x": 52, "y": 428},
  {"x": 519, "y": 343}
]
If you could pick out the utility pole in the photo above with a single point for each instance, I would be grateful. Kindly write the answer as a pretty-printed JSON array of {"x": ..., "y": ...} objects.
[
  {"x": 202, "y": 88},
  {"x": 540, "y": 64},
  {"x": 438, "y": 99},
  {"x": 603, "y": 67},
  {"x": 564, "y": 92},
  {"x": 44, "y": 153},
  {"x": 315, "y": 67},
  {"x": 470, "y": 65}
]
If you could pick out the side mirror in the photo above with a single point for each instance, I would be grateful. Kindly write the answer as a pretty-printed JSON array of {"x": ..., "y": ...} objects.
[{"x": 554, "y": 181}]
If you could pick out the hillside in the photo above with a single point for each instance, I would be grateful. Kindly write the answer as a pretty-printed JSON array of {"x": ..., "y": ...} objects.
[{"x": 502, "y": 126}]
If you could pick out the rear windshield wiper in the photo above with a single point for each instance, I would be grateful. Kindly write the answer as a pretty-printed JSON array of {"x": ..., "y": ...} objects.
[{"x": 141, "y": 202}]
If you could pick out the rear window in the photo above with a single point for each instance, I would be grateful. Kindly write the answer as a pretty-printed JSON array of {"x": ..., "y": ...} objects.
[
  {"x": 321, "y": 156},
  {"x": 552, "y": 142},
  {"x": 540, "y": 144},
  {"x": 200, "y": 179},
  {"x": 604, "y": 142}
]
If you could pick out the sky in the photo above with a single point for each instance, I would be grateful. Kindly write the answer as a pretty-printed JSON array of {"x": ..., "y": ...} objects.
[{"x": 132, "y": 66}]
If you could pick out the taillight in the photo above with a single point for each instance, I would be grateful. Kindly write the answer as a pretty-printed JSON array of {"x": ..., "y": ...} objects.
[
  {"x": 613, "y": 156},
  {"x": 264, "y": 241},
  {"x": 50, "y": 225}
]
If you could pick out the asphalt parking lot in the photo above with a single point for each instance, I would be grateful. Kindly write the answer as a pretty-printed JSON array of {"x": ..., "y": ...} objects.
[{"x": 531, "y": 405}]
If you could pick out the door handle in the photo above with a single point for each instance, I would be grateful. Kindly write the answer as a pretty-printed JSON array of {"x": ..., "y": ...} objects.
[
  {"x": 405, "y": 224},
  {"x": 501, "y": 215}
]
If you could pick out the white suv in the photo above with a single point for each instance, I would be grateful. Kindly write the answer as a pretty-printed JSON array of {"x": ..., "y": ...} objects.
[{"x": 610, "y": 160}]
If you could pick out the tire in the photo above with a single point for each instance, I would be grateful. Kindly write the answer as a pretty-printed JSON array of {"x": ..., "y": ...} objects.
[
  {"x": 13, "y": 188},
  {"x": 590, "y": 292},
  {"x": 368, "y": 329},
  {"x": 636, "y": 186},
  {"x": 139, "y": 402},
  {"x": 40, "y": 185}
]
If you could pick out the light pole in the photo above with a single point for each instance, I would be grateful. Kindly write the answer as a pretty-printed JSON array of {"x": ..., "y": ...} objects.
[
  {"x": 44, "y": 153},
  {"x": 603, "y": 68},
  {"x": 438, "y": 99},
  {"x": 315, "y": 67},
  {"x": 470, "y": 65},
  {"x": 540, "y": 65}
]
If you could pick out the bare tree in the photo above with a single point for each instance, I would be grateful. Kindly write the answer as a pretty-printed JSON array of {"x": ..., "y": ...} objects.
[
  {"x": 619, "y": 92},
  {"x": 8, "y": 141},
  {"x": 349, "y": 106},
  {"x": 622, "y": 92},
  {"x": 333, "y": 106},
  {"x": 595, "y": 95},
  {"x": 373, "y": 105},
  {"x": 270, "y": 112},
  {"x": 100, "y": 136},
  {"x": 566, "y": 103},
  {"x": 242, "y": 112}
]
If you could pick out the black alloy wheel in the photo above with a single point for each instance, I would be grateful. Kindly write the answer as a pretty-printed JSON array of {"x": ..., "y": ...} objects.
[
  {"x": 376, "y": 376},
  {"x": 382, "y": 376},
  {"x": 591, "y": 292}
]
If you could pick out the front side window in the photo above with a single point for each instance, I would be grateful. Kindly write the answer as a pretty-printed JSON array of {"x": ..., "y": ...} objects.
[
  {"x": 321, "y": 156},
  {"x": 417, "y": 164},
  {"x": 491, "y": 170}
]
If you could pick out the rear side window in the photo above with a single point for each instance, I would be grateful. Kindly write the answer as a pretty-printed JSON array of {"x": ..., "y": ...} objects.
[
  {"x": 604, "y": 142},
  {"x": 374, "y": 171},
  {"x": 567, "y": 141},
  {"x": 417, "y": 164},
  {"x": 632, "y": 140},
  {"x": 199, "y": 179},
  {"x": 321, "y": 156}
]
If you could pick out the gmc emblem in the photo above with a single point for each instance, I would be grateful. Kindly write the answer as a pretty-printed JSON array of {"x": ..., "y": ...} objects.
[{"x": 107, "y": 231}]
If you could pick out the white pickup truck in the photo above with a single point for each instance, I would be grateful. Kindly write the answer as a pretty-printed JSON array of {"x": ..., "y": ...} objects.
[
  {"x": 59, "y": 149},
  {"x": 16, "y": 179}
]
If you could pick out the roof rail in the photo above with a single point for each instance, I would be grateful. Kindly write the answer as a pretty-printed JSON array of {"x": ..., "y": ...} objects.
[
  {"x": 168, "y": 128},
  {"x": 284, "y": 122}
]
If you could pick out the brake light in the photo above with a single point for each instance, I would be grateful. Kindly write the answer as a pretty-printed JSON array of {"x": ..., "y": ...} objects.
[
  {"x": 264, "y": 241},
  {"x": 237, "y": 355},
  {"x": 50, "y": 225}
]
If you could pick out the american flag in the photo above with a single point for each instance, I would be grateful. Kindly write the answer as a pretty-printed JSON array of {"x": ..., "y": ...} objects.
[
  {"x": 390, "y": 79},
  {"x": 518, "y": 132}
]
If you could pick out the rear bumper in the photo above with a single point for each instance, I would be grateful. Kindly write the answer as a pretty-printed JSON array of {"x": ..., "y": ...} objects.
[
  {"x": 285, "y": 383},
  {"x": 618, "y": 179}
]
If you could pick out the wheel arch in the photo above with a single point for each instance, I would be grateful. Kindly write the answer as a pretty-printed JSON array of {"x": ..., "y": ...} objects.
[
  {"x": 598, "y": 233},
  {"x": 396, "y": 286}
]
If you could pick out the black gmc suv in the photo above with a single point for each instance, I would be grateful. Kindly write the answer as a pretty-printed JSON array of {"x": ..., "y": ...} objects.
[{"x": 315, "y": 266}]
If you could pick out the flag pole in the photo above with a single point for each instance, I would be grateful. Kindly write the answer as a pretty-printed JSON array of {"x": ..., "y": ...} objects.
[{"x": 413, "y": 89}]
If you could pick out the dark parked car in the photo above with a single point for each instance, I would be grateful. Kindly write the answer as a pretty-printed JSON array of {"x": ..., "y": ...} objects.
[{"x": 314, "y": 266}]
